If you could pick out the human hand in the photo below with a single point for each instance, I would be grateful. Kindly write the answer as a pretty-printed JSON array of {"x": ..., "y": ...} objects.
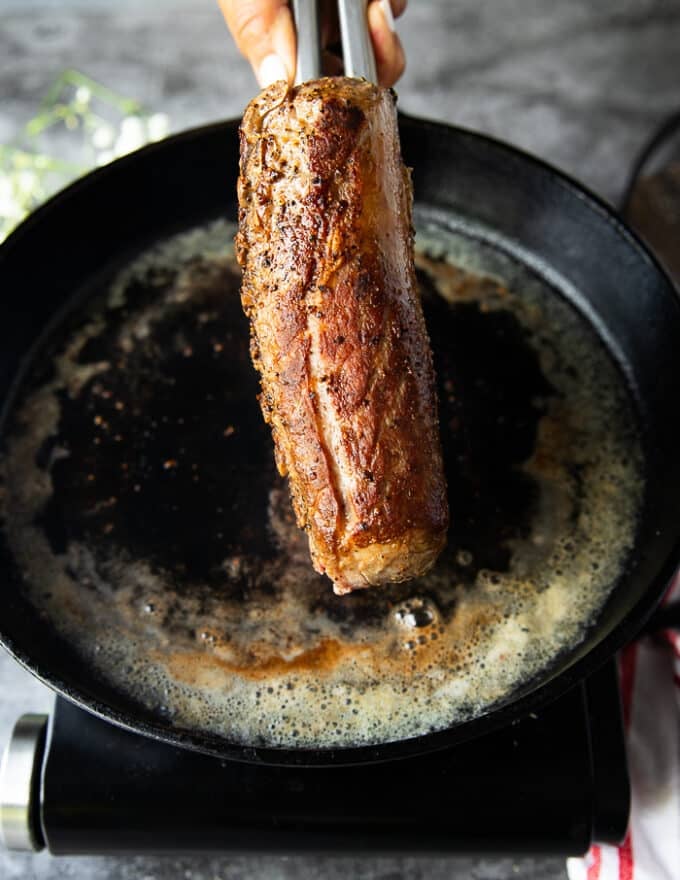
[{"x": 265, "y": 34}]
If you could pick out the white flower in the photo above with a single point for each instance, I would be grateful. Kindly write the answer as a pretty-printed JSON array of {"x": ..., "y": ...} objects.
[
  {"x": 158, "y": 126},
  {"x": 131, "y": 135},
  {"x": 102, "y": 136},
  {"x": 83, "y": 95}
]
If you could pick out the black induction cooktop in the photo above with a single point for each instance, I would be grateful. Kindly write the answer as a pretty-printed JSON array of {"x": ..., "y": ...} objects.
[{"x": 552, "y": 783}]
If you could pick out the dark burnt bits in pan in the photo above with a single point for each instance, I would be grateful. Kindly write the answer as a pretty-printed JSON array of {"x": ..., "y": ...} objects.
[
  {"x": 167, "y": 460},
  {"x": 491, "y": 394},
  {"x": 165, "y": 456}
]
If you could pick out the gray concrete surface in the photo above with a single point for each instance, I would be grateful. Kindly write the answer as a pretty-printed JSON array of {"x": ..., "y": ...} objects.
[{"x": 579, "y": 83}]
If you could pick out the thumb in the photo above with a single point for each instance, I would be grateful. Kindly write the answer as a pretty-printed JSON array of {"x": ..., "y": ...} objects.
[{"x": 264, "y": 33}]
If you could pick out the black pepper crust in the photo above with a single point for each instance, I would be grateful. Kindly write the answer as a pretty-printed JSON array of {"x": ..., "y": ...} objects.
[{"x": 326, "y": 246}]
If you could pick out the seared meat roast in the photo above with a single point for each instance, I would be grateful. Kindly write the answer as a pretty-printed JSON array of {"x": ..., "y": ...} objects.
[{"x": 326, "y": 246}]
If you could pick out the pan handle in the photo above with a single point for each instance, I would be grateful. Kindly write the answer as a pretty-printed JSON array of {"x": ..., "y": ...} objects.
[{"x": 666, "y": 130}]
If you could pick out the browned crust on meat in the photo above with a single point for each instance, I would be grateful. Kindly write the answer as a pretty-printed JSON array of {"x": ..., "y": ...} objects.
[{"x": 338, "y": 336}]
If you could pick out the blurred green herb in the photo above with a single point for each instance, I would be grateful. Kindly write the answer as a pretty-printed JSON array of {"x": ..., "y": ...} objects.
[{"x": 101, "y": 125}]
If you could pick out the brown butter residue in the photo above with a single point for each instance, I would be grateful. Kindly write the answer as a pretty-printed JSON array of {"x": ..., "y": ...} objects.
[{"x": 191, "y": 667}]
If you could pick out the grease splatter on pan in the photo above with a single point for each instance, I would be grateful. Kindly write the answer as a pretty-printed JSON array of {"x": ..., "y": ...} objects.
[{"x": 143, "y": 507}]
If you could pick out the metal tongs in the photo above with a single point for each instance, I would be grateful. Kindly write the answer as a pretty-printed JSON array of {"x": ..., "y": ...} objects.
[{"x": 357, "y": 49}]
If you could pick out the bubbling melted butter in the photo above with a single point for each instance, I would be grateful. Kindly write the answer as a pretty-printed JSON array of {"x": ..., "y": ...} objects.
[{"x": 143, "y": 508}]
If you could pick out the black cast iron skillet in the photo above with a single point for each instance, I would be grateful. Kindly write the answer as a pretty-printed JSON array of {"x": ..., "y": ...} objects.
[{"x": 567, "y": 235}]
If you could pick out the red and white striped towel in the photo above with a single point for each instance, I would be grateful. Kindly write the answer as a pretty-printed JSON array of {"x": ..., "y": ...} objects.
[{"x": 650, "y": 691}]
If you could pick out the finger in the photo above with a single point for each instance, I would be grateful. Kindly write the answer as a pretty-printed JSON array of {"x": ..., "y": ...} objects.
[
  {"x": 264, "y": 33},
  {"x": 389, "y": 53}
]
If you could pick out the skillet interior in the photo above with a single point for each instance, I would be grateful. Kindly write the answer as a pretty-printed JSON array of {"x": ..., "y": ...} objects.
[{"x": 463, "y": 179}]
